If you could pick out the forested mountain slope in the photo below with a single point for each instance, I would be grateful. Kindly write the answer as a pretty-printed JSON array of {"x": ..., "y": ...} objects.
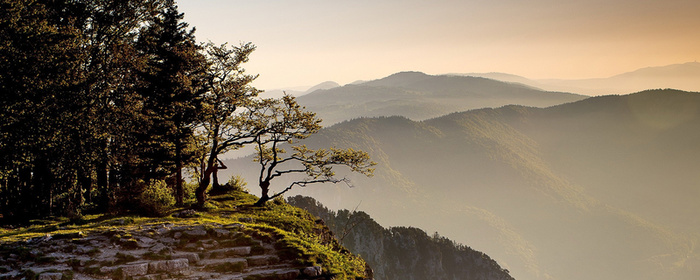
[{"x": 403, "y": 252}]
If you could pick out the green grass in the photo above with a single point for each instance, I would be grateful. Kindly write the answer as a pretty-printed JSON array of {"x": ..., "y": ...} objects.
[{"x": 298, "y": 236}]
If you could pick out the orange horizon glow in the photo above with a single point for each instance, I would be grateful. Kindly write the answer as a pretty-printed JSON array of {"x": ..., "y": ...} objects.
[{"x": 309, "y": 42}]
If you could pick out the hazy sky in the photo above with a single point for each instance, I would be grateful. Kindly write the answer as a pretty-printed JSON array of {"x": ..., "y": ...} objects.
[{"x": 306, "y": 42}]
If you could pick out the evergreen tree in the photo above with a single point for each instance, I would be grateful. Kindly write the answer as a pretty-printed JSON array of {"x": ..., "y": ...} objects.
[{"x": 173, "y": 84}]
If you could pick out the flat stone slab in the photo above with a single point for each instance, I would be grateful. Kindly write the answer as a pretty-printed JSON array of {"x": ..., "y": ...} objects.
[
  {"x": 136, "y": 269},
  {"x": 169, "y": 266},
  {"x": 198, "y": 231},
  {"x": 263, "y": 260},
  {"x": 213, "y": 262},
  {"x": 229, "y": 252},
  {"x": 193, "y": 258}
]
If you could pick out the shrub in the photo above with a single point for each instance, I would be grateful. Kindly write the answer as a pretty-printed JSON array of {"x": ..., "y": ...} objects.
[
  {"x": 236, "y": 183},
  {"x": 189, "y": 188},
  {"x": 157, "y": 198}
]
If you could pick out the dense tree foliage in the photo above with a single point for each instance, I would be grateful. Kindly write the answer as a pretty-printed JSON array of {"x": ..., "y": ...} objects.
[
  {"x": 173, "y": 85},
  {"x": 98, "y": 97},
  {"x": 101, "y": 100}
]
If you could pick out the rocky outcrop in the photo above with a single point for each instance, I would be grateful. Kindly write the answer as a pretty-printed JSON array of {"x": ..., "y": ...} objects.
[{"x": 162, "y": 251}]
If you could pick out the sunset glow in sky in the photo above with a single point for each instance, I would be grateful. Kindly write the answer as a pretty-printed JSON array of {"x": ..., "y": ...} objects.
[{"x": 306, "y": 42}]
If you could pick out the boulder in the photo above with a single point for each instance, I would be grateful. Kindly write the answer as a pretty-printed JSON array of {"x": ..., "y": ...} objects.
[{"x": 312, "y": 271}]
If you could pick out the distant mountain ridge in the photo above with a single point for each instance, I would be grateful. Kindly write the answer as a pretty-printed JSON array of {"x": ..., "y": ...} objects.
[
  {"x": 685, "y": 76},
  {"x": 602, "y": 188},
  {"x": 322, "y": 86},
  {"x": 419, "y": 96}
]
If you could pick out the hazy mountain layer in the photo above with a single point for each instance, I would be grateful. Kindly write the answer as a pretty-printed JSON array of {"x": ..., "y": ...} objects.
[
  {"x": 684, "y": 76},
  {"x": 419, "y": 96},
  {"x": 604, "y": 188}
]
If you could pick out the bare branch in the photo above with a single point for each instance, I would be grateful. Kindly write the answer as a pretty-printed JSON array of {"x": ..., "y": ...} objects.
[{"x": 305, "y": 183}]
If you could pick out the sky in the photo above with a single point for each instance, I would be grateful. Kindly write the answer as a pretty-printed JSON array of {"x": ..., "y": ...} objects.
[{"x": 306, "y": 42}]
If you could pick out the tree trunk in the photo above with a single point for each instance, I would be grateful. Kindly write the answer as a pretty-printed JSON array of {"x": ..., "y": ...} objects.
[
  {"x": 201, "y": 192},
  {"x": 85, "y": 182},
  {"x": 114, "y": 186},
  {"x": 264, "y": 197},
  {"x": 215, "y": 178},
  {"x": 102, "y": 185},
  {"x": 179, "y": 190}
]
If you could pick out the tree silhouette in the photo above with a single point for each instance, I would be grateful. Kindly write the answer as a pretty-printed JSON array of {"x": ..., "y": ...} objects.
[{"x": 282, "y": 122}]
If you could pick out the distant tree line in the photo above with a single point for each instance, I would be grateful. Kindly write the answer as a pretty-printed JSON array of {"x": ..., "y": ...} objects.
[{"x": 101, "y": 99}]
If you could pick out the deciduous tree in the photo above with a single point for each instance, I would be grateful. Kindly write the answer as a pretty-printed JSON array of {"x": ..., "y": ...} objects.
[
  {"x": 227, "y": 108},
  {"x": 281, "y": 123}
]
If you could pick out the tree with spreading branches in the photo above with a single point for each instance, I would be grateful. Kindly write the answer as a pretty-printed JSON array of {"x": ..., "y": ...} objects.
[
  {"x": 281, "y": 122},
  {"x": 227, "y": 109}
]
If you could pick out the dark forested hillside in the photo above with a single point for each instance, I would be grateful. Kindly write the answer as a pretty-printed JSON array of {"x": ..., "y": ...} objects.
[
  {"x": 602, "y": 188},
  {"x": 403, "y": 252},
  {"x": 419, "y": 96}
]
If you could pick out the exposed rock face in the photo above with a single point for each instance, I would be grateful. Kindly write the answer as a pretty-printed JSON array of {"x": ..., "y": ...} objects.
[{"x": 167, "y": 251}]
